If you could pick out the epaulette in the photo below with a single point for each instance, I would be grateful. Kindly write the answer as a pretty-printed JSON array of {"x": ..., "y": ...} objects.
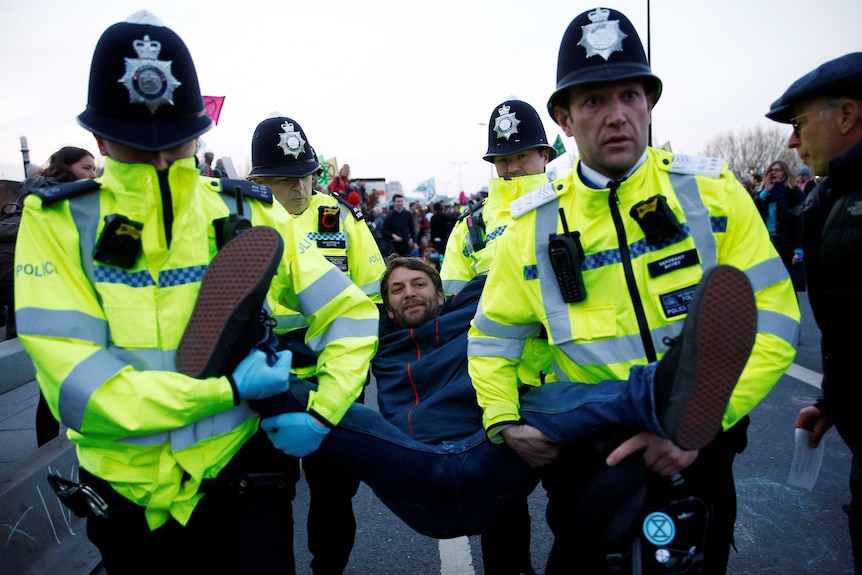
[
  {"x": 476, "y": 211},
  {"x": 696, "y": 166},
  {"x": 248, "y": 189},
  {"x": 533, "y": 200},
  {"x": 355, "y": 210},
  {"x": 57, "y": 192}
]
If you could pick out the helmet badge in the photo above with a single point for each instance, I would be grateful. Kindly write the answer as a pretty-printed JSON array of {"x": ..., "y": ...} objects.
[
  {"x": 148, "y": 79},
  {"x": 506, "y": 124},
  {"x": 291, "y": 141},
  {"x": 603, "y": 36}
]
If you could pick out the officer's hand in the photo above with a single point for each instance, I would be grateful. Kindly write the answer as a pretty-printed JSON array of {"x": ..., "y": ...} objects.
[
  {"x": 662, "y": 456},
  {"x": 254, "y": 378},
  {"x": 296, "y": 434},
  {"x": 531, "y": 445},
  {"x": 815, "y": 421}
]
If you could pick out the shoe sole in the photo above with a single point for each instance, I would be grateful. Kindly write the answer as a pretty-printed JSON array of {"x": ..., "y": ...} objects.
[
  {"x": 229, "y": 303},
  {"x": 724, "y": 314}
]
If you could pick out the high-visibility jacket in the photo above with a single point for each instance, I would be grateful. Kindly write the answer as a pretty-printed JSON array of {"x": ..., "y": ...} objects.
[
  {"x": 104, "y": 339},
  {"x": 343, "y": 237},
  {"x": 461, "y": 262},
  {"x": 636, "y": 292}
]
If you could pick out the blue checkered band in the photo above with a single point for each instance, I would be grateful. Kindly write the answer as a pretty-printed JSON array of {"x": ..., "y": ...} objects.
[
  {"x": 718, "y": 223},
  {"x": 316, "y": 236},
  {"x": 181, "y": 276},
  {"x": 118, "y": 276},
  {"x": 531, "y": 272},
  {"x": 496, "y": 233},
  {"x": 466, "y": 251}
]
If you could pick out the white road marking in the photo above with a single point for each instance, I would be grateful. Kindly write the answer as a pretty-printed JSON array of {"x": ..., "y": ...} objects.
[
  {"x": 804, "y": 375},
  {"x": 455, "y": 557}
]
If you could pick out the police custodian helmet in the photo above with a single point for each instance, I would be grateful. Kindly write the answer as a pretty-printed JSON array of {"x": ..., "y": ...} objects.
[
  {"x": 601, "y": 45},
  {"x": 280, "y": 148},
  {"x": 144, "y": 90},
  {"x": 514, "y": 127}
]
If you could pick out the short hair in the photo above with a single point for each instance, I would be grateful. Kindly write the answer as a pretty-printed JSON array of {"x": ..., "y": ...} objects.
[
  {"x": 396, "y": 196},
  {"x": 395, "y": 261}
]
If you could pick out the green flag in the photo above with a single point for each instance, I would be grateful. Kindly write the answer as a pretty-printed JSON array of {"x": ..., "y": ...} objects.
[{"x": 558, "y": 146}]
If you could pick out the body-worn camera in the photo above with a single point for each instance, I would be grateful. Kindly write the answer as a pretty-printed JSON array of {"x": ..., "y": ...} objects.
[
  {"x": 119, "y": 243},
  {"x": 656, "y": 219}
]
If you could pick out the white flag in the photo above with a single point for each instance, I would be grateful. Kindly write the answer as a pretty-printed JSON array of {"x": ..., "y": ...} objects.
[{"x": 428, "y": 189}]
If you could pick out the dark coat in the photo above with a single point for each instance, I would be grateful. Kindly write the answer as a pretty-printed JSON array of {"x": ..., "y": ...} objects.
[
  {"x": 832, "y": 218},
  {"x": 787, "y": 237}
]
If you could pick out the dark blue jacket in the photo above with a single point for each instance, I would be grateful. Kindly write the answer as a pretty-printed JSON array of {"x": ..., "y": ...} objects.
[{"x": 423, "y": 387}]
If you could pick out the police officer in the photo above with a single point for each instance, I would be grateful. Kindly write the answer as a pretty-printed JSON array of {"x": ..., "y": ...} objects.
[
  {"x": 284, "y": 160},
  {"x": 825, "y": 109},
  {"x": 605, "y": 262},
  {"x": 108, "y": 286},
  {"x": 519, "y": 150}
]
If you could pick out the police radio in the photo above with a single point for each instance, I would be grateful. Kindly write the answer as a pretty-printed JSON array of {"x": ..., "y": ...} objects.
[
  {"x": 233, "y": 225},
  {"x": 566, "y": 255},
  {"x": 475, "y": 231}
]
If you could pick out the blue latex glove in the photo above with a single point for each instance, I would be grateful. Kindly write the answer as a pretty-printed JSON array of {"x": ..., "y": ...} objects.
[
  {"x": 294, "y": 433},
  {"x": 255, "y": 378}
]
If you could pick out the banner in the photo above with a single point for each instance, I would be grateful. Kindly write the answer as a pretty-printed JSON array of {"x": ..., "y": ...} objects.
[
  {"x": 213, "y": 104},
  {"x": 428, "y": 189},
  {"x": 559, "y": 147}
]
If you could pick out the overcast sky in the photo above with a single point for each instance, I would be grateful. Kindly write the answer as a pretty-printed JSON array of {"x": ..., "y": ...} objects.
[{"x": 400, "y": 89}]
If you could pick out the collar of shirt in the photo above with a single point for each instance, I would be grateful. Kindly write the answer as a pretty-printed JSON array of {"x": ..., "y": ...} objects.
[{"x": 599, "y": 181}]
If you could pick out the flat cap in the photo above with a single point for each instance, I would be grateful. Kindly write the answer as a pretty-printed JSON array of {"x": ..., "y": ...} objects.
[{"x": 841, "y": 77}]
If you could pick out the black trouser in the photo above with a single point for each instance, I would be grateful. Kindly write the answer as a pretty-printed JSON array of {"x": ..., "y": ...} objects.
[
  {"x": 228, "y": 533},
  {"x": 709, "y": 478},
  {"x": 506, "y": 543}
]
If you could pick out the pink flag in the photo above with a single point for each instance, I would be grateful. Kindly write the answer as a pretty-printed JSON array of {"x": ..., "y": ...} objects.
[{"x": 213, "y": 104}]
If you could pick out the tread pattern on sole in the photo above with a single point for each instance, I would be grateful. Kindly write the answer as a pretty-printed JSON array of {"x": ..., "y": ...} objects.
[
  {"x": 727, "y": 327},
  {"x": 236, "y": 273}
]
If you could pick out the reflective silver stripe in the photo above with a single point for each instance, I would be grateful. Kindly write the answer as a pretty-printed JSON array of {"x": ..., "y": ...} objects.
[
  {"x": 453, "y": 286},
  {"x": 779, "y": 325},
  {"x": 82, "y": 382},
  {"x": 556, "y": 310},
  {"x": 340, "y": 328},
  {"x": 371, "y": 288},
  {"x": 146, "y": 359},
  {"x": 201, "y": 430},
  {"x": 85, "y": 213},
  {"x": 325, "y": 289},
  {"x": 502, "y": 331},
  {"x": 290, "y": 321},
  {"x": 767, "y": 273},
  {"x": 697, "y": 218},
  {"x": 505, "y": 348},
  {"x": 62, "y": 324}
]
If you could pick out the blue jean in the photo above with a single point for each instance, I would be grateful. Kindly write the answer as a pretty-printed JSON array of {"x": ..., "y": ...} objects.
[{"x": 455, "y": 488}]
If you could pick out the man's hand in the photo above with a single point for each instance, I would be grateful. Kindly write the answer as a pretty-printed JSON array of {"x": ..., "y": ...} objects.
[
  {"x": 662, "y": 456},
  {"x": 396, "y": 237},
  {"x": 815, "y": 421},
  {"x": 531, "y": 445}
]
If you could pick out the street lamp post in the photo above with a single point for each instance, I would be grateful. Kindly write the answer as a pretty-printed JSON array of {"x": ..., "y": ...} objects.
[
  {"x": 459, "y": 164},
  {"x": 25, "y": 153}
]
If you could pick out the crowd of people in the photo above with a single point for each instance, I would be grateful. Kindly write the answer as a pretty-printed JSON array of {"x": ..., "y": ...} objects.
[{"x": 606, "y": 334}]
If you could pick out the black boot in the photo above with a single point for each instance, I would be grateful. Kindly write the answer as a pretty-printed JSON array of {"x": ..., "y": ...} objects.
[{"x": 694, "y": 379}]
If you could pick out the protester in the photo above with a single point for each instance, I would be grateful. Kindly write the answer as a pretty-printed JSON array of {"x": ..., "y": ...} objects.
[
  {"x": 399, "y": 227},
  {"x": 147, "y": 365},
  {"x": 206, "y": 167},
  {"x": 603, "y": 262},
  {"x": 804, "y": 181},
  {"x": 283, "y": 159},
  {"x": 425, "y": 454},
  {"x": 777, "y": 206},
  {"x": 825, "y": 109},
  {"x": 340, "y": 184}
]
